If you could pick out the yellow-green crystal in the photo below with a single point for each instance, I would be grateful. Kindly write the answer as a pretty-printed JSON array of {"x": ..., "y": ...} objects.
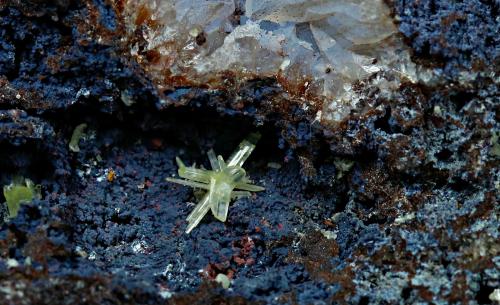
[
  {"x": 20, "y": 192},
  {"x": 224, "y": 182},
  {"x": 78, "y": 133}
]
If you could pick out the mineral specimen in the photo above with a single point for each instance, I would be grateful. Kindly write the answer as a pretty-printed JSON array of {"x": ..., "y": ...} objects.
[{"x": 397, "y": 203}]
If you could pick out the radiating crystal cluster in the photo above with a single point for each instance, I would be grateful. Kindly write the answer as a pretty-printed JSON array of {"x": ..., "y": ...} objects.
[
  {"x": 223, "y": 182},
  {"x": 314, "y": 48}
]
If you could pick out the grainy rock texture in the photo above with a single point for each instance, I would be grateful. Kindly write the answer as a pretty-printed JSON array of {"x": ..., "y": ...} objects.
[
  {"x": 455, "y": 36},
  {"x": 395, "y": 201}
]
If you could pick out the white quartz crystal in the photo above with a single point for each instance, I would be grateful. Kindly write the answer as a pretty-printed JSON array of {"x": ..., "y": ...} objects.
[{"x": 322, "y": 46}]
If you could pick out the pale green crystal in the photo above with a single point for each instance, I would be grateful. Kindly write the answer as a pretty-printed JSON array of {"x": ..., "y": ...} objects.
[{"x": 220, "y": 182}]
